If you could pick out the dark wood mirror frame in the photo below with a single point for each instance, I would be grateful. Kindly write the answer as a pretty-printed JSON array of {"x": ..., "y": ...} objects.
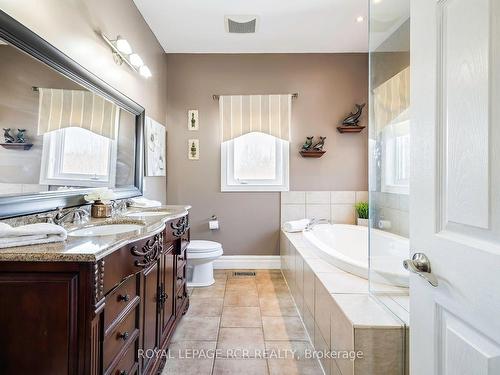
[{"x": 26, "y": 40}]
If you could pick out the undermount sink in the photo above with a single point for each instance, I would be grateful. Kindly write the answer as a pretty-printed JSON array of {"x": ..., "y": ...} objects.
[
  {"x": 148, "y": 213},
  {"x": 104, "y": 230}
]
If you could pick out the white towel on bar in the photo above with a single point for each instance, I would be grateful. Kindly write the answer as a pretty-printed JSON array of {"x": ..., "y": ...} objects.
[
  {"x": 296, "y": 225},
  {"x": 30, "y": 234},
  {"x": 141, "y": 202}
]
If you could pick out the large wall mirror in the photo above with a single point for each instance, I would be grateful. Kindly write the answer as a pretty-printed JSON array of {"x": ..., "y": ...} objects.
[{"x": 63, "y": 130}]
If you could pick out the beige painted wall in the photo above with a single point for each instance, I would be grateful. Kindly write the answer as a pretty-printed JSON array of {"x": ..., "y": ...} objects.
[
  {"x": 74, "y": 26},
  {"x": 328, "y": 86}
]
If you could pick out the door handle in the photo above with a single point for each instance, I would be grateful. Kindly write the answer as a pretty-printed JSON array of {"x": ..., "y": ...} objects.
[{"x": 421, "y": 265}]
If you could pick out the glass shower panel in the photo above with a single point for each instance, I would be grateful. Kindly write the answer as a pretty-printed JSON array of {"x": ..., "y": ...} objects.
[{"x": 389, "y": 143}]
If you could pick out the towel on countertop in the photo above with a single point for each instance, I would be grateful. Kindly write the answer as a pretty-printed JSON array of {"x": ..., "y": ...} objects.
[
  {"x": 142, "y": 202},
  {"x": 30, "y": 234},
  {"x": 296, "y": 225}
]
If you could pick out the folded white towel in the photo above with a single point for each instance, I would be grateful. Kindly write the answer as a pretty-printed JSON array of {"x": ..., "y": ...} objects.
[
  {"x": 296, "y": 225},
  {"x": 30, "y": 234},
  {"x": 144, "y": 202}
]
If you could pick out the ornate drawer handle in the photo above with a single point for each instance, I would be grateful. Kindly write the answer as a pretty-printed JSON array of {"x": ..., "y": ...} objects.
[
  {"x": 123, "y": 372},
  {"x": 179, "y": 278},
  {"x": 123, "y": 298},
  {"x": 124, "y": 336},
  {"x": 180, "y": 297},
  {"x": 181, "y": 258}
]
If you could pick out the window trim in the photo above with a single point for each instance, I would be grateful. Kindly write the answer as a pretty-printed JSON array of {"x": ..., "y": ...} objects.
[
  {"x": 52, "y": 159},
  {"x": 229, "y": 184},
  {"x": 390, "y": 133}
]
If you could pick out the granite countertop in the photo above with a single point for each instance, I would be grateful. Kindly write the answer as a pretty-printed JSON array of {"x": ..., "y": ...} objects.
[{"x": 91, "y": 249}]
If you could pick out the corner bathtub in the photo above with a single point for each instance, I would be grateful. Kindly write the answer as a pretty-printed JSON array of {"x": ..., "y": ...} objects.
[{"x": 346, "y": 247}]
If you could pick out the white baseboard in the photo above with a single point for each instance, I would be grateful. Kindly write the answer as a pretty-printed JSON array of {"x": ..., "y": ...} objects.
[{"x": 248, "y": 262}]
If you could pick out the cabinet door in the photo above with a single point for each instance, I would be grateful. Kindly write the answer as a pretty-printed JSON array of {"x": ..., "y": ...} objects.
[
  {"x": 167, "y": 286},
  {"x": 150, "y": 313},
  {"x": 38, "y": 314}
]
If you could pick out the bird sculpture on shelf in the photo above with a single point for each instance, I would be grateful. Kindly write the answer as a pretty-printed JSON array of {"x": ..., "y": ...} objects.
[
  {"x": 353, "y": 118},
  {"x": 307, "y": 144},
  {"x": 21, "y": 136},
  {"x": 8, "y": 137},
  {"x": 319, "y": 145}
]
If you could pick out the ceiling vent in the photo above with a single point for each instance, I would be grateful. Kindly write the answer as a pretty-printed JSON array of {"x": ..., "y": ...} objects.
[{"x": 241, "y": 24}]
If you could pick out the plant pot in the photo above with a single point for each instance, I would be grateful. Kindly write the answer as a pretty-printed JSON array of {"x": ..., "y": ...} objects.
[{"x": 363, "y": 222}]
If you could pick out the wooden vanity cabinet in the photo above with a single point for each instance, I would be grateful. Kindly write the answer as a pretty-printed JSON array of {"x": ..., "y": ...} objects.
[{"x": 113, "y": 317}]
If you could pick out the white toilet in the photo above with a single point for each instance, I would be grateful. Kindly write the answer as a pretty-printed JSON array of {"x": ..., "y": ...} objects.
[{"x": 200, "y": 257}]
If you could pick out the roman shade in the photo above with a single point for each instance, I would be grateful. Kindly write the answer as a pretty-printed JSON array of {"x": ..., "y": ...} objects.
[
  {"x": 59, "y": 108},
  {"x": 391, "y": 99},
  {"x": 242, "y": 114}
]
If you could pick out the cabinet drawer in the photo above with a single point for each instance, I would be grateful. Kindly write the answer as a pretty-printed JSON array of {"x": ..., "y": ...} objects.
[
  {"x": 124, "y": 297},
  {"x": 176, "y": 229},
  {"x": 127, "y": 365},
  {"x": 123, "y": 333},
  {"x": 131, "y": 259}
]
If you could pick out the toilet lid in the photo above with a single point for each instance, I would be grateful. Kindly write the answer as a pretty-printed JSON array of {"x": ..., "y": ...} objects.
[{"x": 202, "y": 246}]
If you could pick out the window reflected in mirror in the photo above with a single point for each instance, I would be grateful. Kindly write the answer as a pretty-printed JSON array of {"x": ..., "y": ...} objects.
[{"x": 57, "y": 135}]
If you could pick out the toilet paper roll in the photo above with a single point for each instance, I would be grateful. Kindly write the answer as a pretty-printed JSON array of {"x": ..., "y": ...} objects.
[
  {"x": 384, "y": 224},
  {"x": 213, "y": 224}
]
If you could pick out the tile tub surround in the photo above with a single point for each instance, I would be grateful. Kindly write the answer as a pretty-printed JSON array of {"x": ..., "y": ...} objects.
[
  {"x": 262, "y": 318},
  {"x": 339, "y": 314},
  {"x": 335, "y": 206}
]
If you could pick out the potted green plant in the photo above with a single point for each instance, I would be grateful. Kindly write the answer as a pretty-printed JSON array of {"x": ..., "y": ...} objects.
[{"x": 362, "y": 209}]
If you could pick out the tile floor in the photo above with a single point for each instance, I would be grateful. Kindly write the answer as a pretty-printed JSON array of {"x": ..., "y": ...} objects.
[{"x": 245, "y": 323}]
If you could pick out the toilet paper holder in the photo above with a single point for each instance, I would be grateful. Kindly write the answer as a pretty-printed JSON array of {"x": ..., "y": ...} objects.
[{"x": 213, "y": 223}]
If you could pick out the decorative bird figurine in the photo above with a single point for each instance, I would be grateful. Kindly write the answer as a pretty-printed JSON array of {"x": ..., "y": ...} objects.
[
  {"x": 20, "y": 136},
  {"x": 8, "y": 137},
  {"x": 307, "y": 144},
  {"x": 319, "y": 146},
  {"x": 353, "y": 118}
]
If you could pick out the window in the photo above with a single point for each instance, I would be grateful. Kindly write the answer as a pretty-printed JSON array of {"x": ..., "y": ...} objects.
[
  {"x": 78, "y": 157},
  {"x": 255, "y": 162},
  {"x": 396, "y": 158}
]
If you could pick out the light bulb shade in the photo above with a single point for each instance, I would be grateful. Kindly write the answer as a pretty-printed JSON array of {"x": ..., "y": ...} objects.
[
  {"x": 123, "y": 46},
  {"x": 136, "y": 60},
  {"x": 144, "y": 71}
]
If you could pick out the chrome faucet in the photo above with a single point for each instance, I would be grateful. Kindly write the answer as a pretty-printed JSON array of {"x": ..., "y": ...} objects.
[
  {"x": 78, "y": 216},
  {"x": 313, "y": 222}
]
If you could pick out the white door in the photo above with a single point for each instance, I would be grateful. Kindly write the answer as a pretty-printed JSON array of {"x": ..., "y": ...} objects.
[{"x": 455, "y": 186}]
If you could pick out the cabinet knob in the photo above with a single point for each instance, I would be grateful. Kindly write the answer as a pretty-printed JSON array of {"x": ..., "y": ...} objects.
[
  {"x": 124, "y": 336},
  {"x": 124, "y": 298}
]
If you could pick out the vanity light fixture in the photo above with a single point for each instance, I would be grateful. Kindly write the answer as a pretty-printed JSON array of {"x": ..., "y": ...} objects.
[
  {"x": 136, "y": 60},
  {"x": 122, "y": 52},
  {"x": 144, "y": 71}
]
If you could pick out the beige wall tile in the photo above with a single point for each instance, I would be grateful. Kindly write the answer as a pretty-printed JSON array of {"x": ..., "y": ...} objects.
[
  {"x": 321, "y": 345},
  {"x": 322, "y": 309},
  {"x": 343, "y": 197},
  {"x": 361, "y": 196},
  {"x": 318, "y": 197},
  {"x": 383, "y": 350},
  {"x": 318, "y": 211},
  {"x": 308, "y": 287},
  {"x": 341, "y": 337},
  {"x": 308, "y": 318},
  {"x": 299, "y": 273},
  {"x": 293, "y": 197},
  {"x": 343, "y": 214},
  {"x": 291, "y": 212}
]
